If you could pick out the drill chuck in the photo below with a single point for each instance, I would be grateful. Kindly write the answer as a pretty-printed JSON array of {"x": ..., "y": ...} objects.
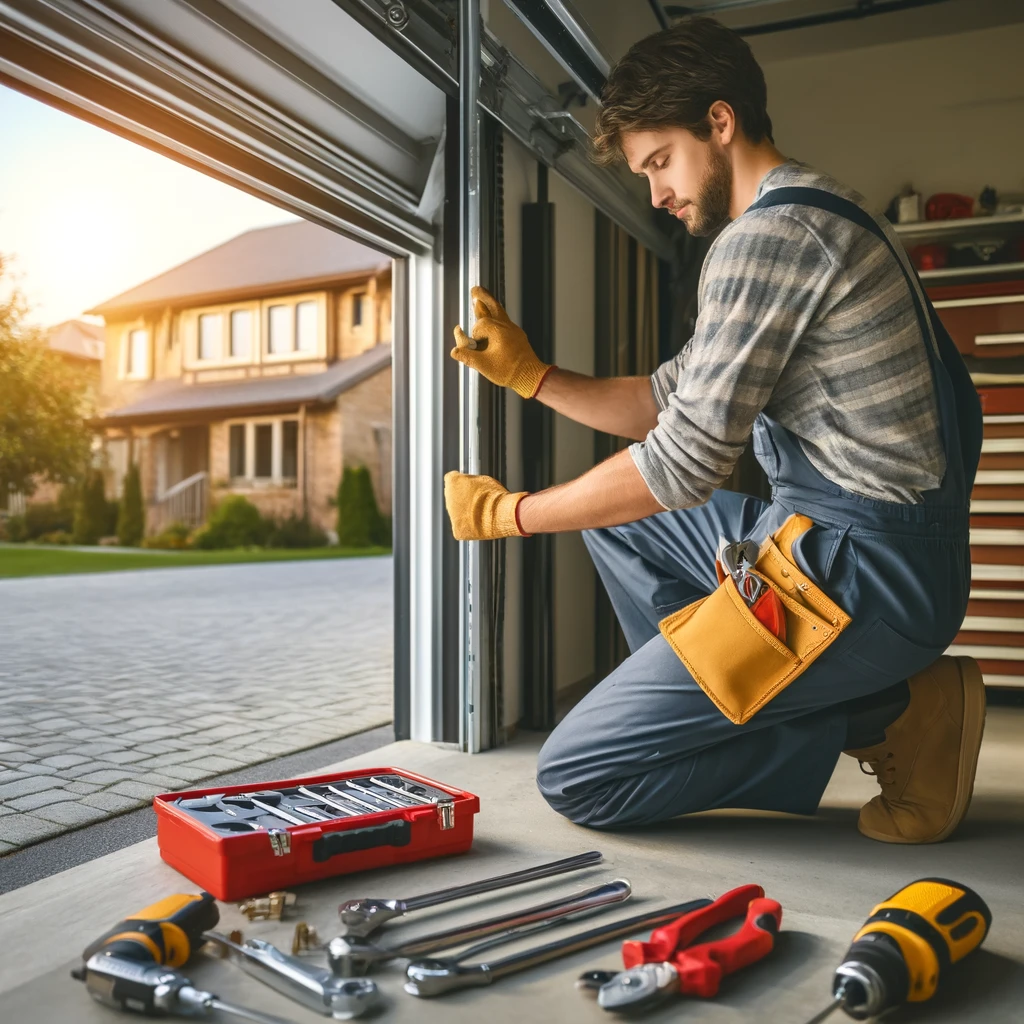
[{"x": 872, "y": 977}]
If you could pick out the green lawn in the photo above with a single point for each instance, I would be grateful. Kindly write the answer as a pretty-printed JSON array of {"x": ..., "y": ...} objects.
[{"x": 53, "y": 561}]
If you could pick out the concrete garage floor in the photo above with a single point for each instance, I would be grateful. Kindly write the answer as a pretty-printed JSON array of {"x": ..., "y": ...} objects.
[{"x": 825, "y": 874}]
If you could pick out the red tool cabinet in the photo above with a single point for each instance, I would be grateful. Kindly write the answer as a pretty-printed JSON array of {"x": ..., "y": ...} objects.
[{"x": 250, "y": 863}]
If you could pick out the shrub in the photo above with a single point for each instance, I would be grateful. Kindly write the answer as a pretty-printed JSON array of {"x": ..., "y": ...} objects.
[
  {"x": 235, "y": 523},
  {"x": 174, "y": 537},
  {"x": 131, "y": 518},
  {"x": 360, "y": 524},
  {"x": 297, "y": 532},
  {"x": 16, "y": 530},
  {"x": 92, "y": 513},
  {"x": 56, "y": 537},
  {"x": 47, "y": 517}
]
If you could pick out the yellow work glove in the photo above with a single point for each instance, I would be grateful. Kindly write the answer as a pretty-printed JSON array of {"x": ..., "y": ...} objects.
[
  {"x": 480, "y": 508},
  {"x": 505, "y": 357}
]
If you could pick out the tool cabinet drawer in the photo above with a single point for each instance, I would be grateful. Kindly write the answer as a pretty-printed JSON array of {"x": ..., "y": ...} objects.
[
  {"x": 983, "y": 325},
  {"x": 240, "y": 841}
]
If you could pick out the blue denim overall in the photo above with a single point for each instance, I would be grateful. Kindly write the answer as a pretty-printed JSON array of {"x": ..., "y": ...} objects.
[{"x": 647, "y": 744}]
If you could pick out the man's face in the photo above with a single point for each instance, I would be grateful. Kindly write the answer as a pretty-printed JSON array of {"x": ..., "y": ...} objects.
[{"x": 689, "y": 178}]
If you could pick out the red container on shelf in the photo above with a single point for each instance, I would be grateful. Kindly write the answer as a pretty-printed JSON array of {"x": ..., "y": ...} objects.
[{"x": 251, "y": 863}]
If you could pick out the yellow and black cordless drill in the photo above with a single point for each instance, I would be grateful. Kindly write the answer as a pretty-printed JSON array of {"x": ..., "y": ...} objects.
[
  {"x": 131, "y": 967},
  {"x": 906, "y": 945}
]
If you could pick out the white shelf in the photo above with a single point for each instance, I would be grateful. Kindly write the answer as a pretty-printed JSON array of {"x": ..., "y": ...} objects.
[
  {"x": 987, "y": 270},
  {"x": 958, "y": 226}
]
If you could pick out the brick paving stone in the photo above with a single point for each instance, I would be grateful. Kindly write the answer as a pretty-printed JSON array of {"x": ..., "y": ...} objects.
[
  {"x": 15, "y": 757},
  {"x": 57, "y": 722},
  {"x": 84, "y": 734},
  {"x": 34, "y": 801},
  {"x": 124, "y": 756},
  {"x": 112, "y": 803},
  {"x": 108, "y": 776},
  {"x": 97, "y": 748},
  {"x": 166, "y": 782},
  {"x": 7, "y": 747},
  {"x": 189, "y": 774},
  {"x": 71, "y": 813},
  {"x": 65, "y": 760},
  {"x": 6, "y": 847},
  {"x": 139, "y": 790},
  {"x": 82, "y": 788},
  {"x": 215, "y": 765},
  {"x": 157, "y": 747},
  {"x": 23, "y": 787},
  {"x": 27, "y": 828}
]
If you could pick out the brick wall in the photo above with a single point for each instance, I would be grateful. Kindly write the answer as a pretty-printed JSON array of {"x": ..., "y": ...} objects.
[{"x": 365, "y": 407}]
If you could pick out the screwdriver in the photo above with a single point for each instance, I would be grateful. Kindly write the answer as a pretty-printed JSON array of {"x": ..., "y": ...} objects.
[
  {"x": 907, "y": 942},
  {"x": 130, "y": 966}
]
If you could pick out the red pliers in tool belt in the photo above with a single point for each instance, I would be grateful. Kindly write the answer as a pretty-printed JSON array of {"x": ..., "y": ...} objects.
[{"x": 670, "y": 963}]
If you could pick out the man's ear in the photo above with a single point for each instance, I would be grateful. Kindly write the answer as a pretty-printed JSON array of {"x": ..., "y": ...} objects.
[{"x": 722, "y": 118}]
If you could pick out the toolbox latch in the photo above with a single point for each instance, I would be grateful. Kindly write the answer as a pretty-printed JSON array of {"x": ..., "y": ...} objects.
[
  {"x": 280, "y": 841},
  {"x": 446, "y": 814}
]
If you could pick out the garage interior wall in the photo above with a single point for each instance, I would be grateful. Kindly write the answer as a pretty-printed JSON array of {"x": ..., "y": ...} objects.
[{"x": 943, "y": 113}]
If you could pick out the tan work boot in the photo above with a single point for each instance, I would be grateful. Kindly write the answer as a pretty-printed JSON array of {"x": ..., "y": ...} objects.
[{"x": 926, "y": 764}]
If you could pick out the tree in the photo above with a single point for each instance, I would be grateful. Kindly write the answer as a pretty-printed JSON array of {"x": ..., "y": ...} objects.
[
  {"x": 91, "y": 512},
  {"x": 131, "y": 516},
  {"x": 43, "y": 404},
  {"x": 360, "y": 524}
]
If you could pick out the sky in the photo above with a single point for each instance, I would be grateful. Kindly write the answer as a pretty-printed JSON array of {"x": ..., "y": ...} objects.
[{"x": 85, "y": 214}]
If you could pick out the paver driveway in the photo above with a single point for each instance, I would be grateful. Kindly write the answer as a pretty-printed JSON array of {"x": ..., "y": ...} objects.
[{"x": 116, "y": 686}]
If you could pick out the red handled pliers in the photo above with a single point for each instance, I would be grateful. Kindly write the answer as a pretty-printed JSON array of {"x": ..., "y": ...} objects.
[{"x": 670, "y": 963}]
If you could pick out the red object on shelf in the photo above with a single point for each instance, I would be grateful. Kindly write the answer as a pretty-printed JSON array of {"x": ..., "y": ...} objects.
[
  {"x": 948, "y": 206},
  {"x": 233, "y": 867},
  {"x": 1005, "y": 400},
  {"x": 929, "y": 257}
]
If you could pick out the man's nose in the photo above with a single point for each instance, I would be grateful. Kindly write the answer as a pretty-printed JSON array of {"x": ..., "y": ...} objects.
[{"x": 660, "y": 196}]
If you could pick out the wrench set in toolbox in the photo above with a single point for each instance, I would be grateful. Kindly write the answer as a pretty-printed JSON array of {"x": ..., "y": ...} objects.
[{"x": 240, "y": 841}]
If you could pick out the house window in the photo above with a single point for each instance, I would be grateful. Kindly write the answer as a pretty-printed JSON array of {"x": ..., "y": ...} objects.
[
  {"x": 279, "y": 334},
  {"x": 290, "y": 449},
  {"x": 136, "y": 359},
  {"x": 264, "y": 448},
  {"x": 211, "y": 329},
  {"x": 305, "y": 327},
  {"x": 241, "y": 333},
  {"x": 236, "y": 450},
  {"x": 357, "y": 308},
  {"x": 264, "y": 452}
]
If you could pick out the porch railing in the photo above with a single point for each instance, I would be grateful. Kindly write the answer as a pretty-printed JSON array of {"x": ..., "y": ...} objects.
[{"x": 185, "y": 502}]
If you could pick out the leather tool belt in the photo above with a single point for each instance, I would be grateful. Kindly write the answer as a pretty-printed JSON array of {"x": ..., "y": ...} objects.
[{"x": 734, "y": 659}]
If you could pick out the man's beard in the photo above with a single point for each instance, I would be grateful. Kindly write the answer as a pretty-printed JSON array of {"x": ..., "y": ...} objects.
[{"x": 710, "y": 210}]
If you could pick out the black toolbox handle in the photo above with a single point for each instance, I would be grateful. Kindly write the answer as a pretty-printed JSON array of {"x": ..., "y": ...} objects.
[{"x": 391, "y": 833}]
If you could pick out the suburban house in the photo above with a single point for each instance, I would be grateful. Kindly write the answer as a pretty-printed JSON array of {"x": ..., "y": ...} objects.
[{"x": 261, "y": 367}]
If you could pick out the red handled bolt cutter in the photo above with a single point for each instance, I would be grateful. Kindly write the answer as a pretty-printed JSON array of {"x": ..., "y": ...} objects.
[{"x": 670, "y": 963}]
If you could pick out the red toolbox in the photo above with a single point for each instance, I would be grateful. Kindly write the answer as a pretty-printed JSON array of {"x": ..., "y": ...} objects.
[{"x": 240, "y": 841}]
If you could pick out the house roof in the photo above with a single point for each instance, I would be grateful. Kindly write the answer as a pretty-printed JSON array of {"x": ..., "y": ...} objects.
[
  {"x": 78, "y": 339},
  {"x": 282, "y": 257},
  {"x": 163, "y": 401}
]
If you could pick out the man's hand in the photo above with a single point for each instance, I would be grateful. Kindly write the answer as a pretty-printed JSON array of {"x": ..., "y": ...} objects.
[
  {"x": 480, "y": 508},
  {"x": 505, "y": 357}
]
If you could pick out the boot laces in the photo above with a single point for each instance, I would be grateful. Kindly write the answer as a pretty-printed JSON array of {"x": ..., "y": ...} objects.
[{"x": 881, "y": 768}]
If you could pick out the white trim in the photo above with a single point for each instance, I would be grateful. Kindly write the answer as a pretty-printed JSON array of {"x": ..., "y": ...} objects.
[
  {"x": 999, "y": 339},
  {"x": 1001, "y": 679},
  {"x": 997, "y": 572},
  {"x": 293, "y": 355},
  {"x": 426, "y": 496},
  {"x": 982, "y": 300},
  {"x": 986, "y": 652}
]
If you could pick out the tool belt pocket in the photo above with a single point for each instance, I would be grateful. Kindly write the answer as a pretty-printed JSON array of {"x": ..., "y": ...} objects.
[{"x": 737, "y": 661}]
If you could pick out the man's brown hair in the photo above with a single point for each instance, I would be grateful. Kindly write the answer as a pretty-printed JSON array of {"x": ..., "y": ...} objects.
[{"x": 671, "y": 79}]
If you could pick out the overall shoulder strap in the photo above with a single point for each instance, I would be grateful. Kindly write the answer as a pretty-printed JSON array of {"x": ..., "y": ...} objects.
[{"x": 942, "y": 352}]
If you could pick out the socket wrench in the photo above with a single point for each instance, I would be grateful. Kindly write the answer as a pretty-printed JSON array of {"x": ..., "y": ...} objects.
[{"x": 363, "y": 917}]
